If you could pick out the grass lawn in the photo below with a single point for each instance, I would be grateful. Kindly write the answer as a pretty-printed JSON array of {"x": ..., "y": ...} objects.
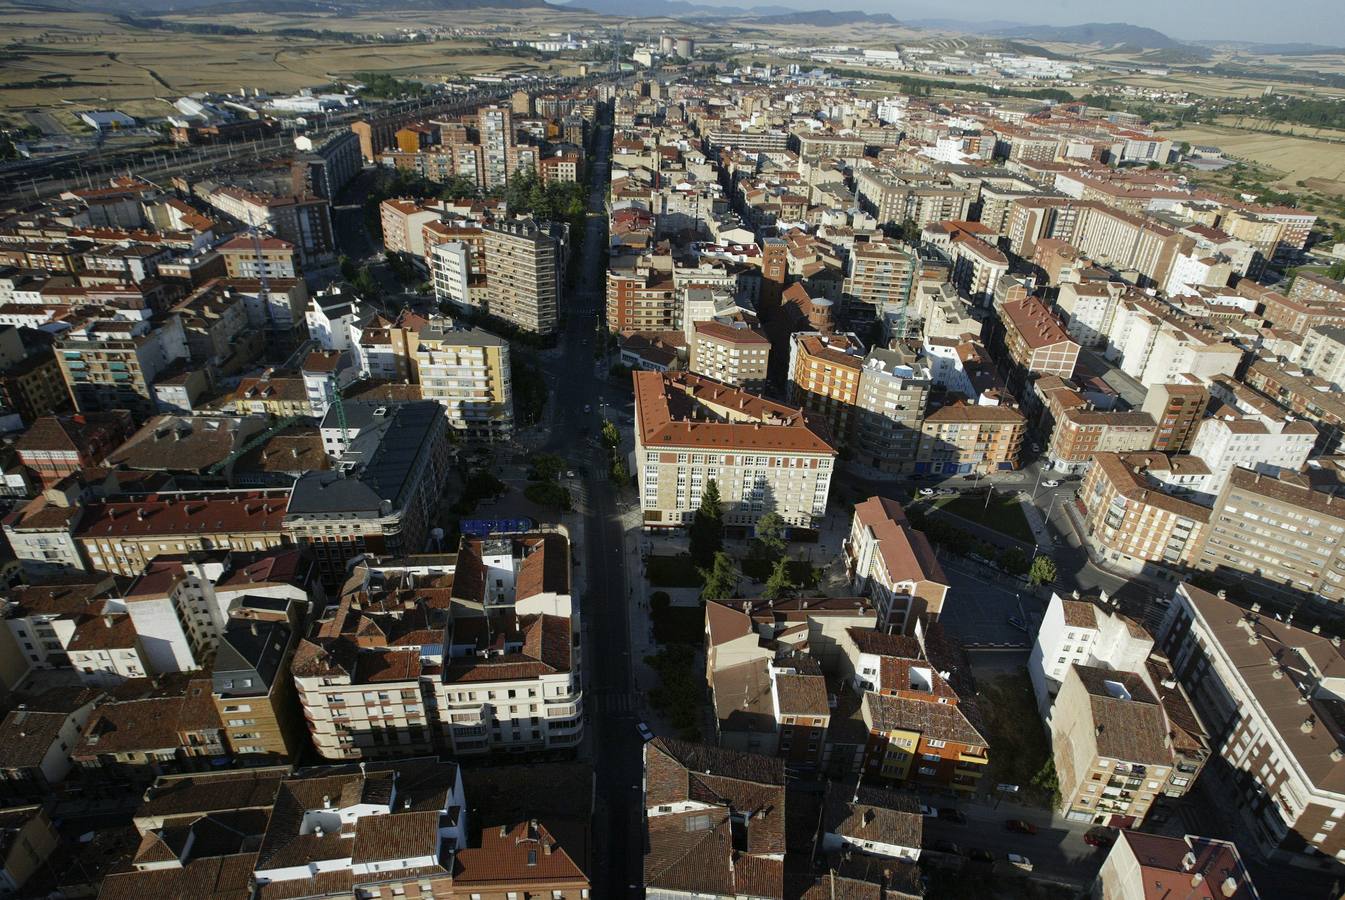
[
  {"x": 1003, "y": 515},
  {"x": 1019, "y": 747},
  {"x": 673, "y": 571},
  {"x": 679, "y": 625}
]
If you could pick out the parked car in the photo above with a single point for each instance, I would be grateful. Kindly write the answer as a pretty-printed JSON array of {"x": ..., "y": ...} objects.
[
  {"x": 588, "y": 407},
  {"x": 927, "y": 492},
  {"x": 943, "y": 845},
  {"x": 952, "y": 815},
  {"x": 1051, "y": 482},
  {"x": 1101, "y": 836},
  {"x": 927, "y": 810},
  {"x": 645, "y": 734},
  {"x": 1036, "y": 448},
  {"x": 1018, "y": 623},
  {"x": 1019, "y": 861},
  {"x": 1020, "y": 826},
  {"x": 981, "y": 855},
  {"x": 947, "y": 491}
]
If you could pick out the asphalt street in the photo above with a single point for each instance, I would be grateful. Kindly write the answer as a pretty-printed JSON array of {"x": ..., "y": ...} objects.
[{"x": 576, "y": 385}]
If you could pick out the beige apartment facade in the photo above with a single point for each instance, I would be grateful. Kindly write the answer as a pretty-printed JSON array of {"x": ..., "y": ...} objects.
[{"x": 763, "y": 456}]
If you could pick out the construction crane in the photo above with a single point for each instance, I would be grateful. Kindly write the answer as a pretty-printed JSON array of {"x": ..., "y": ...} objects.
[{"x": 256, "y": 441}]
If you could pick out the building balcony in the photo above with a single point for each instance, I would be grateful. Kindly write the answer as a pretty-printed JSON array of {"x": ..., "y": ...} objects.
[{"x": 979, "y": 759}]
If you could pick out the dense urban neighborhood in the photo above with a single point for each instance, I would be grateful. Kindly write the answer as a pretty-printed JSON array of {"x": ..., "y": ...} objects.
[{"x": 704, "y": 466}]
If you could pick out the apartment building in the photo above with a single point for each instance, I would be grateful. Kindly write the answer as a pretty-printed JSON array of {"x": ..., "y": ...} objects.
[
  {"x": 1133, "y": 520},
  {"x": 1279, "y": 535},
  {"x": 1036, "y": 340},
  {"x": 960, "y": 439},
  {"x": 736, "y": 799},
  {"x": 122, "y": 536},
  {"x": 1263, "y": 443},
  {"x": 1155, "y": 344},
  {"x": 1199, "y": 868},
  {"x": 256, "y": 257},
  {"x": 1112, "y": 755},
  {"x": 1303, "y": 395},
  {"x": 1323, "y": 353},
  {"x": 171, "y": 728},
  {"x": 464, "y": 655},
  {"x": 495, "y": 127},
  {"x": 252, "y": 686},
  {"x": 764, "y": 456},
  {"x": 114, "y": 363},
  {"x": 181, "y": 603},
  {"x": 898, "y": 197},
  {"x": 466, "y": 370},
  {"x": 889, "y": 408},
  {"x": 894, "y": 565},
  {"x": 1130, "y": 243},
  {"x": 383, "y": 495},
  {"x": 1083, "y": 631},
  {"x": 55, "y": 447},
  {"x": 1080, "y": 434},
  {"x": 921, "y": 732},
  {"x": 977, "y": 269},
  {"x": 879, "y": 280},
  {"x": 305, "y": 222},
  {"x": 323, "y": 168},
  {"x": 824, "y": 374},
  {"x": 403, "y": 223},
  {"x": 1177, "y": 409},
  {"x": 1263, "y": 688},
  {"x": 731, "y": 352},
  {"x": 525, "y": 272},
  {"x": 451, "y": 274},
  {"x": 641, "y": 295}
]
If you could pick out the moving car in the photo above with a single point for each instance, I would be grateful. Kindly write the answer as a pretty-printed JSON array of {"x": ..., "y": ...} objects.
[
  {"x": 1018, "y": 623},
  {"x": 1051, "y": 482},
  {"x": 645, "y": 734},
  {"x": 1019, "y": 861},
  {"x": 1020, "y": 826}
]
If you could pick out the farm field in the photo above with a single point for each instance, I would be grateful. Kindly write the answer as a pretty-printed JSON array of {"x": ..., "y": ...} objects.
[
  {"x": 1296, "y": 159},
  {"x": 77, "y": 61}
]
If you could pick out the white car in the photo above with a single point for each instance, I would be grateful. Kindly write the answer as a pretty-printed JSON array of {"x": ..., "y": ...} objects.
[
  {"x": 927, "y": 492},
  {"x": 1020, "y": 862},
  {"x": 1051, "y": 482}
]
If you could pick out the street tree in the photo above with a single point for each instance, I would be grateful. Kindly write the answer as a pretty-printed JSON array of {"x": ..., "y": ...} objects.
[
  {"x": 721, "y": 579},
  {"x": 780, "y": 582},
  {"x": 611, "y": 437},
  {"x": 771, "y": 536},
  {"x": 707, "y": 526},
  {"x": 1042, "y": 570}
]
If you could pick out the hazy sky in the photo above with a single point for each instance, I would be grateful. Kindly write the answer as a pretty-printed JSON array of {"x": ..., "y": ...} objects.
[{"x": 1315, "y": 21}]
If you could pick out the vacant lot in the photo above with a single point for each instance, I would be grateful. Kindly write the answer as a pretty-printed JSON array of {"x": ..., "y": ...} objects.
[{"x": 1297, "y": 159}]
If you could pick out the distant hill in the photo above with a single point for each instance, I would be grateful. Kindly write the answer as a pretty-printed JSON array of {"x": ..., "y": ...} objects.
[
  {"x": 1107, "y": 34},
  {"x": 674, "y": 9},
  {"x": 309, "y": 6},
  {"x": 825, "y": 18}
]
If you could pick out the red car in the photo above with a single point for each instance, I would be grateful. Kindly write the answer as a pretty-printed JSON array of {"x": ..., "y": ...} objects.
[
  {"x": 1100, "y": 837},
  {"x": 1020, "y": 826}
]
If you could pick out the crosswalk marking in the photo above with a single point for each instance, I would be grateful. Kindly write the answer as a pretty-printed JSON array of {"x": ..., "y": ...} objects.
[{"x": 623, "y": 701}]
